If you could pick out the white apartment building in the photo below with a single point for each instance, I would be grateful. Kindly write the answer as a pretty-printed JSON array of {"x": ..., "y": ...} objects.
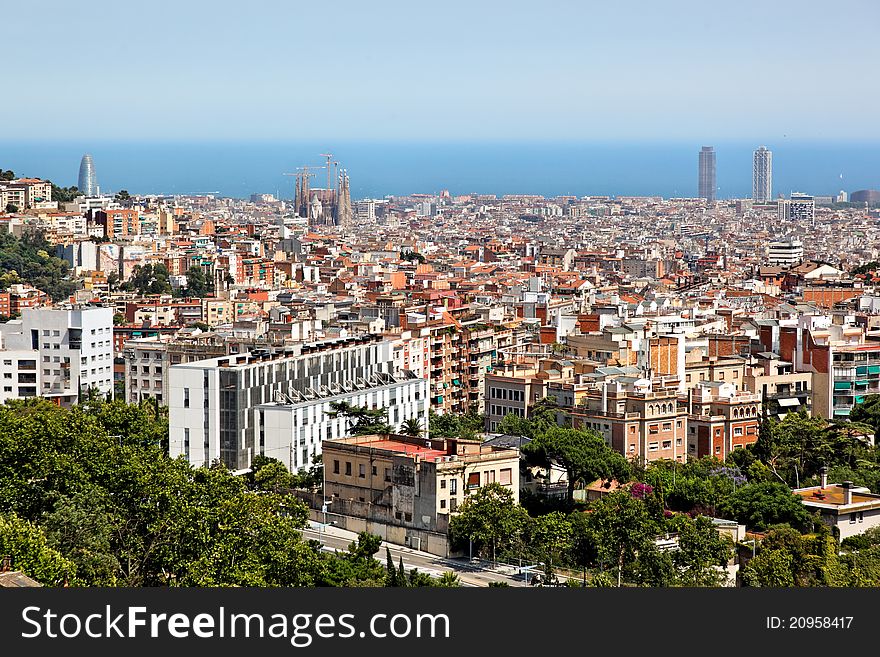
[
  {"x": 786, "y": 253},
  {"x": 227, "y": 408},
  {"x": 58, "y": 353}
]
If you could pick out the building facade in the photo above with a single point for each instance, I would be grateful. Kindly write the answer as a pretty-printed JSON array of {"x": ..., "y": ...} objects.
[
  {"x": 57, "y": 353},
  {"x": 707, "y": 183},
  {"x": 214, "y": 403},
  {"x": 762, "y": 175}
]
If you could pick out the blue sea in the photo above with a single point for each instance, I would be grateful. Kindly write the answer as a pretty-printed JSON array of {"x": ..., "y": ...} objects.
[{"x": 377, "y": 169}]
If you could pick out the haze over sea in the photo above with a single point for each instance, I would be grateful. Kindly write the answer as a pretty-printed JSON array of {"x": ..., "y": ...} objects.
[{"x": 377, "y": 169}]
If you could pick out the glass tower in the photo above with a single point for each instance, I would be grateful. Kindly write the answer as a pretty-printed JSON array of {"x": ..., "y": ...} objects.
[{"x": 88, "y": 181}]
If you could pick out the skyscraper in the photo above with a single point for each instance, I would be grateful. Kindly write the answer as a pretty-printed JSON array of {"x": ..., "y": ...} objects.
[
  {"x": 707, "y": 173},
  {"x": 88, "y": 181},
  {"x": 762, "y": 176}
]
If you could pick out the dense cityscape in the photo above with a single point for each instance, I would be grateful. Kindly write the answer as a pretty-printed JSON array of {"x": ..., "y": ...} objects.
[{"x": 478, "y": 390}]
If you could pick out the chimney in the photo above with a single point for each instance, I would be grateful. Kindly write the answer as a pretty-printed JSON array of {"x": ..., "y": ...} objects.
[
  {"x": 847, "y": 492},
  {"x": 823, "y": 477}
]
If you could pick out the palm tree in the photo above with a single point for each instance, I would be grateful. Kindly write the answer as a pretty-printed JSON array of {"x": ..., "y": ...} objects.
[{"x": 412, "y": 427}]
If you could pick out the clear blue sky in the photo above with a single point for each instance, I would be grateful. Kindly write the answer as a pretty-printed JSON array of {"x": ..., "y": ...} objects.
[{"x": 507, "y": 70}]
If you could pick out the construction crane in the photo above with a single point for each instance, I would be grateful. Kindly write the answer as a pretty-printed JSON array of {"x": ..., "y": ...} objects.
[{"x": 329, "y": 157}]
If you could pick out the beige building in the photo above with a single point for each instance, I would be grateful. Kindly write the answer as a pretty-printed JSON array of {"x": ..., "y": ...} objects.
[
  {"x": 412, "y": 481},
  {"x": 639, "y": 418},
  {"x": 728, "y": 369},
  {"x": 782, "y": 390}
]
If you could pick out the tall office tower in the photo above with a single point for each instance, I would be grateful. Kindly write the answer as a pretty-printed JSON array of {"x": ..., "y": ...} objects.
[
  {"x": 762, "y": 176},
  {"x": 707, "y": 173},
  {"x": 88, "y": 181}
]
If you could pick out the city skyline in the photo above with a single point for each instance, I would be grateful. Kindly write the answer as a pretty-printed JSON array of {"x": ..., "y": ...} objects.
[{"x": 239, "y": 169}]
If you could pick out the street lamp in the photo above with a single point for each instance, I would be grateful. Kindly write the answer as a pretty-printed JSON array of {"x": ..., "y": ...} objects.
[{"x": 323, "y": 524}]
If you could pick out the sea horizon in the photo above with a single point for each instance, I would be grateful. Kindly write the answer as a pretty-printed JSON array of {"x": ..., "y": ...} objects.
[{"x": 239, "y": 168}]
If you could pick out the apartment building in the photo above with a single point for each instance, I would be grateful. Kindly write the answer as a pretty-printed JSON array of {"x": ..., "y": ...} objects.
[
  {"x": 844, "y": 363},
  {"x": 639, "y": 418},
  {"x": 24, "y": 193},
  {"x": 57, "y": 353},
  {"x": 412, "y": 481},
  {"x": 146, "y": 369},
  {"x": 721, "y": 419},
  {"x": 515, "y": 388},
  {"x": 782, "y": 390},
  {"x": 117, "y": 223},
  {"x": 292, "y": 429},
  {"x": 714, "y": 369},
  {"x": 214, "y": 403}
]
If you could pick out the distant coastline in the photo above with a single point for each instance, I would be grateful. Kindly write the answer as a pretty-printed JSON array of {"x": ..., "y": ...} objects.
[{"x": 377, "y": 169}]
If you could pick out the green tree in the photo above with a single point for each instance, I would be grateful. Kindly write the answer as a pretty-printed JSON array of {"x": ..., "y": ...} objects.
[
  {"x": 583, "y": 549},
  {"x": 761, "y": 505},
  {"x": 11, "y": 208},
  {"x": 197, "y": 284},
  {"x": 7, "y": 175},
  {"x": 81, "y": 528},
  {"x": 270, "y": 475},
  {"x": 412, "y": 427},
  {"x": 361, "y": 420},
  {"x": 701, "y": 553},
  {"x": 448, "y": 580},
  {"x": 490, "y": 518},
  {"x": 390, "y": 570},
  {"x": 624, "y": 532},
  {"x": 551, "y": 536},
  {"x": 30, "y": 552},
  {"x": 582, "y": 452}
]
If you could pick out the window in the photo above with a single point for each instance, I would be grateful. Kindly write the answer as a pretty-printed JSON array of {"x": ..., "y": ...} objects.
[
  {"x": 453, "y": 504},
  {"x": 375, "y": 471},
  {"x": 717, "y": 449},
  {"x": 737, "y": 431},
  {"x": 186, "y": 397},
  {"x": 735, "y": 374},
  {"x": 654, "y": 428},
  {"x": 721, "y": 376},
  {"x": 852, "y": 518},
  {"x": 505, "y": 476},
  {"x": 678, "y": 442},
  {"x": 453, "y": 486},
  {"x": 473, "y": 480},
  {"x": 335, "y": 466},
  {"x": 667, "y": 444},
  {"x": 442, "y": 483},
  {"x": 632, "y": 447},
  {"x": 490, "y": 476},
  {"x": 653, "y": 447},
  {"x": 667, "y": 426},
  {"x": 387, "y": 474},
  {"x": 442, "y": 504},
  {"x": 362, "y": 471},
  {"x": 348, "y": 468}
]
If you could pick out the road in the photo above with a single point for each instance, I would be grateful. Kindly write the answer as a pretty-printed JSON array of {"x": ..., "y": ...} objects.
[{"x": 334, "y": 538}]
